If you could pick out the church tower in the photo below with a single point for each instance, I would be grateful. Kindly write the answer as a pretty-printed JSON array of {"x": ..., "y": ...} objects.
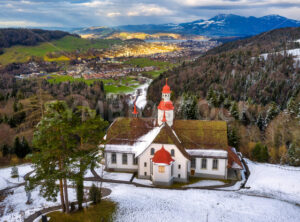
[{"x": 165, "y": 107}]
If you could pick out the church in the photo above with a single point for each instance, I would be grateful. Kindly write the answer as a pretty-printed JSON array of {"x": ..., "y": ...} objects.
[{"x": 165, "y": 149}]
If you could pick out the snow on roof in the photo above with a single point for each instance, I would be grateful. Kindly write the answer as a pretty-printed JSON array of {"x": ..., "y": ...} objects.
[
  {"x": 236, "y": 166},
  {"x": 208, "y": 153},
  {"x": 138, "y": 147}
]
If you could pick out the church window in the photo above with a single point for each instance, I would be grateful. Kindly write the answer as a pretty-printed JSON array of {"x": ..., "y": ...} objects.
[
  {"x": 179, "y": 166},
  {"x": 161, "y": 169},
  {"x": 152, "y": 151},
  {"x": 215, "y": 164},
  {"x": 113, "y": 158},
  {"x": 172, "y": 152},
  {"x": 179, "y": 175},
  {"x": 203, "y": 163},
  {"x": 145, "y": 164},
  {"x": 193, "y": 163},
  {"x": 124, "y": 159},
  {"x": 145, "y": 173}
]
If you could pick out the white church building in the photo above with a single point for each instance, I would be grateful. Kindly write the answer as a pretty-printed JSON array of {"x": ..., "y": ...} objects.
[{"x": 166, "y": 150}]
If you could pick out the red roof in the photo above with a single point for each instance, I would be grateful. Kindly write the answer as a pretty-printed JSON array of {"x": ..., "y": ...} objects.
[
  {"x": 162, "y": 156},
  {"x": 166, "y": 88},
  {"x": 164, "y": 117},
  {"x": 233, "y": 157},
  {"x": 168, "y": 105}
]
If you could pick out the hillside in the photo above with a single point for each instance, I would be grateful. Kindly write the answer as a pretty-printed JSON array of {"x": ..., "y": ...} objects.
[
  {"x": 28, "y": 37},
  {"x": 21, "y": 53},
  {"x": 237, "y": 69}
]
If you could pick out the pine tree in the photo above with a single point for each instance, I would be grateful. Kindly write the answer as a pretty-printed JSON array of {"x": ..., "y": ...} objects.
[
  {"x": 90, "y": 129},
  {"x": 5, "y": 150},
  {"x": 95, "y": 194},
  {"x": 294, "y": 155},
  {"x": 56, "y": 142},
  {"x": 17, "y": 147},
  {"x": 244, "y": 118},
  {"x": 272, "y": 112},
  {"x": 233, "y": 137},
  {"x": 234, "y": 111},
  {"x": 292, "y": 106},
  {"x": 260, "y": 153},
  {"x": 260, "y": 122}
]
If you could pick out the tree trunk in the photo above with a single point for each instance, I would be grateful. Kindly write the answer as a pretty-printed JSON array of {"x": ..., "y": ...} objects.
[
  {"x": 62, "y": 200},
  {"x": 66, "y": 195}
]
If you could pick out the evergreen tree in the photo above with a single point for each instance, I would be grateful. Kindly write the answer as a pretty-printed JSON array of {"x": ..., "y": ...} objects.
[
  {"x": 233, "y": 137},
  {"x": 95, "y": 194},
  {"x": 5, "y": 150},
  {"x": 90, "y": 129},
  {"x": 56, "y": 142},
  {"x": 17, "y": 147},
  {"x": 25, "y": 147},
  {"x": 292, "y": 106},
  {"x": 260, "y": 122},
  {"x": 244, "y": 118},
  {"x": 294, "y": 155},
  {"x": 189, "y": 107},
  {"x": 234, "y": 111},
  {"x": 260, "y": 153},
  {"x": 272, "y": 112}
]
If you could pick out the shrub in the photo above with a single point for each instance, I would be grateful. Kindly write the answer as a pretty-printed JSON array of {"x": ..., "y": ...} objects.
[
  {"x": 260, "y": 153},
  {"x": 14, "y": 172},
  {"x": 95, "y": 194}
]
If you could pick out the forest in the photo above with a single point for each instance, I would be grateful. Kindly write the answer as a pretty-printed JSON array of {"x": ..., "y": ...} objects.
[
  {"x": 258, "y": 96},
  {"x": 28, "y": 37}
]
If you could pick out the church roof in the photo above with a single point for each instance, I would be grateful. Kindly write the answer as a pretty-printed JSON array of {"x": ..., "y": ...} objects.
[
  {"x": 166, "y": 88},
  {"x": 165, "y": 105},
  {"x": 191, "y": 134},
  {"x": 162, "y": 156}
]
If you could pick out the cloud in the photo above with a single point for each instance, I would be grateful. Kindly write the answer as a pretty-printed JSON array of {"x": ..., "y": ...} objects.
[{"x": 80, "y": 13}]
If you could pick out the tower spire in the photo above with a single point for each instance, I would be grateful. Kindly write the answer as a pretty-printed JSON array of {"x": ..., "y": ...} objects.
[
  {"x": 164, "y": 117},
  {"x": 135, "y": 112}
]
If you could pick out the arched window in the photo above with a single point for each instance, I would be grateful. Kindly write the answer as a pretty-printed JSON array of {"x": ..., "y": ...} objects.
[
  {"x": 152, "y": 151},
  {"x": 172, "y": 152}
]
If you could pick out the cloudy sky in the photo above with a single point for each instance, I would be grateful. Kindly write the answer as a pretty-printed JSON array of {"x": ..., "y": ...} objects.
[{"x": 84, "y": 13}]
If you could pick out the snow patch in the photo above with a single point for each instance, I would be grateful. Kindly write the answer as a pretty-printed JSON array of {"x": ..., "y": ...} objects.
[{"x": 208, "y": 153}]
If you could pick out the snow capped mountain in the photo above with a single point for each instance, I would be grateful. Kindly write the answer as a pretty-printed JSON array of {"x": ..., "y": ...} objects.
[{"x": 220, "y": 25}]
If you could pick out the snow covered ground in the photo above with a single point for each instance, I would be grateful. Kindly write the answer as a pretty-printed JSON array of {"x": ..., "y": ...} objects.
[
  {"x": 16, "y": 209},
  {"x": 269, "y": 185},
  {"x": 145, "y": 204},
  {"x": 274, "y": 181},
  {"x": 293, "y": 52},
  {"x": 5, "y": 175}
]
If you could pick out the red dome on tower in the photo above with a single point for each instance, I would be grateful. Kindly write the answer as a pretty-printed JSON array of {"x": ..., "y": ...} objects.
[
  {"x": 162, "y": 156},
  {"x": 166, "y": 88},
  {"x": 168, "y": 105}
]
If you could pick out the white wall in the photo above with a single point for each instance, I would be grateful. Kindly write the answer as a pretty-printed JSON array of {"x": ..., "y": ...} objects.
[
  {"x": 162, "y": 177},
  {"x": 118, "y": 165},
  {"x": 169, "y": 116},
  {"x": 179, "y": 160},
  {"x": 220, "y": 172}
]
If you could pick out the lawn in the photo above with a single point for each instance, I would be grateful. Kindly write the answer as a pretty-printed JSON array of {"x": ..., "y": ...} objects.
[
  {"x": 66, "y": 44},
  {"x": 123, "y": 85},
  {"x": 94, "y": 213}
]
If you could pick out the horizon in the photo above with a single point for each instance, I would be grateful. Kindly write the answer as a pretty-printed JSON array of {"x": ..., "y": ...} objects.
[{"x": 110, "y": 13}]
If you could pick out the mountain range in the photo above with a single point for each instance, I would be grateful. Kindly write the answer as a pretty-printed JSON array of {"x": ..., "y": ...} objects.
[{"x": 220, "y": 25}]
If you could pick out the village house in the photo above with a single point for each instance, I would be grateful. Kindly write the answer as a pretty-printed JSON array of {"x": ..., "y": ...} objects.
[{"x": 166, "y": 149}]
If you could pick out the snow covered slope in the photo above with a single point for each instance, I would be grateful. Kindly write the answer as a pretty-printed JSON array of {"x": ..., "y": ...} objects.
[{"x": 274, "y": 181}]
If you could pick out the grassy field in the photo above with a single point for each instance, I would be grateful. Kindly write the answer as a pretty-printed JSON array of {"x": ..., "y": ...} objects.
[
  {"x": 144, "y": 62},
  {"x": 66, "y": 44},
  {"x": 100, "y": 212},
  {"x": 124, "y": 85}
]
